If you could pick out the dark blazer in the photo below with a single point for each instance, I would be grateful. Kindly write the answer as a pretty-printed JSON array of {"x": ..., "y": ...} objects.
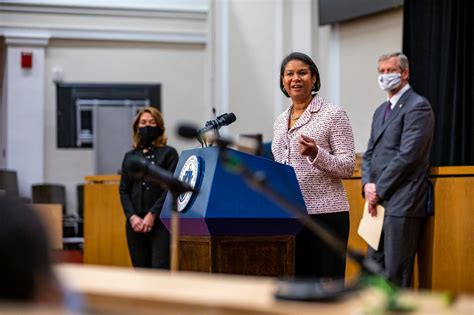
[
  {"x": 130, "y": 188},
  {"x": 397, "y": 156}
]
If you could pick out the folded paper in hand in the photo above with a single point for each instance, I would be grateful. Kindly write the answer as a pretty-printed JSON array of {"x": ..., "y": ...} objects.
[{"x": 370, "y": 228}]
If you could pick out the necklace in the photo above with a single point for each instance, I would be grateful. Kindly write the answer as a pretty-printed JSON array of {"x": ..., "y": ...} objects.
[{"x": 291, "y": 115}]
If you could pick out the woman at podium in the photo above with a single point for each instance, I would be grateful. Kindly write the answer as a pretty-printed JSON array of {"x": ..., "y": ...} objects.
[
  {"x": 142, "y": 200},
  {"x": 315, "y": 137}
]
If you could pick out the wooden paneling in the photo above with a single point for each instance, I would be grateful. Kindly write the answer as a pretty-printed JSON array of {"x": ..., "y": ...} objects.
[
  {"x": 353, "y": 188},
  {"x": 447, "y": 246},
  {"x": 195, "y": 253},
  {"x": 452, "y": 242},
  {"x": 245, "y": 255},
  {"x": 101, "y": 179},
  {"x": 52, "y": 216},
  {"x": 446, "y": 254},
  {"x": 452, "y": 171},
  {"x": 104, "y": 223}
]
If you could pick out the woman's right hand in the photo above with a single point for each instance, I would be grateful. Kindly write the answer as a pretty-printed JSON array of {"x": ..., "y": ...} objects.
[
  {"x": 137, "y": 223},
  {"x": 308, "y": 147}
]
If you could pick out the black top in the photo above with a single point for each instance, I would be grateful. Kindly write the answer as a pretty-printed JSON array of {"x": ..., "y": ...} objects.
[{"x": 140, "y": 196}]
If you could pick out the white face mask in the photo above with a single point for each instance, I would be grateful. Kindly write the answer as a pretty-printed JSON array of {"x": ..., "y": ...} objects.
[{"x": 389, "y": 81}]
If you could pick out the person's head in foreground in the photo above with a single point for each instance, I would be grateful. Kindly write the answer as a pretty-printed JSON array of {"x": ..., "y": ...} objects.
[{"x": 26, "y": 274}]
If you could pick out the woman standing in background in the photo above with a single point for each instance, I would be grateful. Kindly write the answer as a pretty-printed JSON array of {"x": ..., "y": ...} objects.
[{"x": 142, "y": 200}]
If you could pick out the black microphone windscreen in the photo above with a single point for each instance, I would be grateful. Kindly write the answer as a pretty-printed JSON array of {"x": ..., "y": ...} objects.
[
  {"x": 136, "y": 166},
  {"x": 229, "y": 118},
  {"x": 187, "y": 131}
]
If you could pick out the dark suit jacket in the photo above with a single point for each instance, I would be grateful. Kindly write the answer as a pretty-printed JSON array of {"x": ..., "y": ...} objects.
[
  {"x": 131, "y": 189},
  {"x": 397, "y": 156}
]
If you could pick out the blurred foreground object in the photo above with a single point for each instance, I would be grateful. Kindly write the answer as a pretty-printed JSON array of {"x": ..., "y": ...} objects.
[
  {"x": 26, "y": 272},
  {"x": 114, "y": 290}
]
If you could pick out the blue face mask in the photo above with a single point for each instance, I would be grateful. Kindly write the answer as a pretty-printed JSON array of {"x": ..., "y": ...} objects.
[{"x": 389, "y": 81}]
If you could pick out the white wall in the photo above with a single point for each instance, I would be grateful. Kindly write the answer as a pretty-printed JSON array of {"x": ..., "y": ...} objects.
[
  {"x": 179, "y": 69},
  {"x": 24, "y": 141},
  {"x": 361, "y": 42},
  {"x": 3, "y": 99},
  {"x": 251, "y": 66},
  {"x": 261, "y": 34}
]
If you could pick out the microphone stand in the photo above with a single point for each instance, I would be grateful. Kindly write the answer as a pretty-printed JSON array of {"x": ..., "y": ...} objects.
[
  {"x": 174, "y": 248},
  {"x": 257, "y": 180},
  {"x": 174, "y": 235},
  {"x": 203, "y": 139}
]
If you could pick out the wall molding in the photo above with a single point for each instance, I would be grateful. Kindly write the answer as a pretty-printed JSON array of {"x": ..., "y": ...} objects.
[
  {"x": 191, "y": 13},
  {"x": 170, "y": 12},
  {"x": 95, "y": 34},
  {"x": 29, "y": 40}
]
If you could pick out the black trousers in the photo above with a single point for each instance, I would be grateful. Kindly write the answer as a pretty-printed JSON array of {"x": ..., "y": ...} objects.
[
  {"x": 313, "y": 257},
  {"x": 149, "y": 250}
]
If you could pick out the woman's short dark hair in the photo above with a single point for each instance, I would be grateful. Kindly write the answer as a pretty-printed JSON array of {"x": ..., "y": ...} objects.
[{"x": 306, "y": 59}]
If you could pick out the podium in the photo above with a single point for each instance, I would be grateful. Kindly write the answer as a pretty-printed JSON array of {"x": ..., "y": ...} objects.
[{"x": 227, "y": 226}]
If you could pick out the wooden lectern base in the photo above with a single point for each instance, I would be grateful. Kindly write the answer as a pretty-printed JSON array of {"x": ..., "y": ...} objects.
[{"x": 272, "y": 256}]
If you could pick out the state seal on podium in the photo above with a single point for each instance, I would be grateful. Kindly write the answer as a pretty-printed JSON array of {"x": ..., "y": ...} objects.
[{"x": 190, "y": 173}]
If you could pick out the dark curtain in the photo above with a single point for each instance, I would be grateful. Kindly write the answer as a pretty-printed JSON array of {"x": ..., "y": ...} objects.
[{"x": 437, "y": 39}]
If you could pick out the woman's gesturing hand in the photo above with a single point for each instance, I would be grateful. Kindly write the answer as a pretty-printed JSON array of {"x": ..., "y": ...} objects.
[{"x": 308, "y": 147}]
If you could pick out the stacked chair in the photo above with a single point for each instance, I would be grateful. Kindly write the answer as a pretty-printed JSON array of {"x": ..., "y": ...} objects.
[{"x": 9, "y": 184}]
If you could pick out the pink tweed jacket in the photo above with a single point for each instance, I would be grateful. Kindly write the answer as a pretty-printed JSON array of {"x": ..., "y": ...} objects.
[{"x": 320, "y": 179}]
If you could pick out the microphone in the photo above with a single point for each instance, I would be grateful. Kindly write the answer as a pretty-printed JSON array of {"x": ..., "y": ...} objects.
[
  {"x": 188, "y": 131},
  {"x": 139, "y": 167},
  {"x": 216, "y": 124},
  {"x": 244, "y": 144}
]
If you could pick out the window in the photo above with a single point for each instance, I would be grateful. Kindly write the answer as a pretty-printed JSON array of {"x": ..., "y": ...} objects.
[{"x": 76, "y": 104}]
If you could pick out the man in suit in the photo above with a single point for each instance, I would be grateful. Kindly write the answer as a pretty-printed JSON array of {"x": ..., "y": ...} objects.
[{"x": 395, "y": 168}]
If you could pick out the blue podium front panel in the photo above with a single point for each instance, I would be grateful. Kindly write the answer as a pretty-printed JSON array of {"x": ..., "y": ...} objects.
[{"x": 225, "y": 204}]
